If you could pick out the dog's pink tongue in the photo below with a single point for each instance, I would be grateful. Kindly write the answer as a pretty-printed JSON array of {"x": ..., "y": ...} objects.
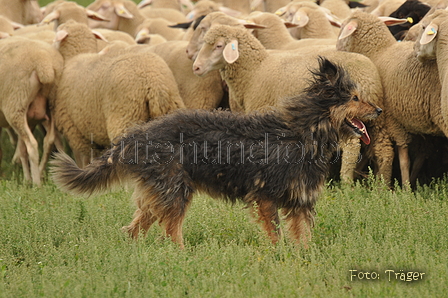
[{"x": 365, "y": 136}]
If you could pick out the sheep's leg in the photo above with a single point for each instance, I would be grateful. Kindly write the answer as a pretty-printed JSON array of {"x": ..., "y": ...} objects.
[
  {"x": 350, "y": 157},
  {"x": 12, "y": 136},
  {"x": 48, "y": 143},
  {"x": 403, "y": 156},
  {"x": 33, "y": 152},
  {"x": 58, "y": 141},
  {"x": 383, "y": 152},
  {"x": 268, "y": 218},
  {"x": 417, "y": 165},
  {"x": 22, "y": 155}
]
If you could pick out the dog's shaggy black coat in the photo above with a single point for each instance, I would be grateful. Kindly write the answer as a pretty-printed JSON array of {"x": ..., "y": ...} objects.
[{"x": 271, "y": 161}]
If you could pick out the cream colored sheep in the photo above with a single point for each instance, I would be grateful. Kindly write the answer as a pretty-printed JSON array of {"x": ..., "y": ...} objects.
[
  {"x": 64, "y": 11},
  {"x": 158, "y": 26},
  {"x": 432, "y": 45},
  {"x": 29, "y": 70},
  {"x": 122, "y": 14},
  {"x": 339, "y": 8},
  {"x": 312, "y": 21},
  {"x": 6, "y": 27},
  {"x": 386, "y": 7},
  {"x": 411, "y": 89},
  {"x": 214, "y": 18},
  {"x": 243, "y": 6},
  {"x": 180, "y": 5},
  {"x": 269, "y": 5},
  {"x": 258, "y": 80},
  {"x": 204, "y": 7},
  {"x": 197, "y": 92},
  {"x": 21, "y": 11},
  {"x": 99, "y": 96},
  {"x": 113, "y": 35},
  {"x": 275, "y": 35},
  {"x": 150, "y": 39},
  {"x": 168, "y": 14}
]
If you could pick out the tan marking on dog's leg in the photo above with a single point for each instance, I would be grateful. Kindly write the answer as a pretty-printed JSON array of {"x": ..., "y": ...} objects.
[
  {"x": 300, "y": 222},
  {"x": 142, "y": 222},
  {"x": 143, "y": 217},
  {"x": 174, "y": 223},
  {"x": 268, "y": 218}
]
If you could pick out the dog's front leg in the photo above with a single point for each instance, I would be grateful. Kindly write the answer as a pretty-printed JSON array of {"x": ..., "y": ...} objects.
[
  {"x": 300, "y": 222},
  {"x": 266, "y": 214}
]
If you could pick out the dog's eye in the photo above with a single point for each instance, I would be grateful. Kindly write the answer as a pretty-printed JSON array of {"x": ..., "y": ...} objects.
[{"x": 355, "y": 98}]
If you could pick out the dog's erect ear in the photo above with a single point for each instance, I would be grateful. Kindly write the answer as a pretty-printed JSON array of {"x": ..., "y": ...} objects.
[{"x": 329, "y": 69}]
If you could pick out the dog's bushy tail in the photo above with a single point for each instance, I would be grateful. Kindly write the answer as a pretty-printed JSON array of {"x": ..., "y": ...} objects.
[{"x": 97, "y": 177}]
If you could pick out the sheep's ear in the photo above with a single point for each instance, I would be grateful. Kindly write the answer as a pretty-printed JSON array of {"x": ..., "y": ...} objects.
[
  {"x": 191, "y": 15},
  {"x": 98, "y": 35},
  {"x": 253, "y": 26},
  {"x": 16, "y": 25},
  {"x": 290, "y": 25},
  {"x": 231, "y": 52},
  {"x": 389, "y": 21},
  {"x": 142, "y": 35},
  {"x": 181, "y": 25},
  {"x": 95, "y": 16},
  {"x": 122, "y": 12},
  {"x": 429, "y": 34},
  {"x": 331, "y": 17},
  {"x": 348, "y": 29},
  {"x": 301, "y": 18},
  {"x": 4, "y": 35},
  {"x": 144, "y": 3},
  {"x": 50, "y": 18},
  {"x": 281, "y": 11},
  {"x": 60, "y": 35}
]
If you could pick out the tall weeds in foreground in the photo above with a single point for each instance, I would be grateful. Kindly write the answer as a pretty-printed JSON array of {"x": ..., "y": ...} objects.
[{"x": 56, "y": 245}]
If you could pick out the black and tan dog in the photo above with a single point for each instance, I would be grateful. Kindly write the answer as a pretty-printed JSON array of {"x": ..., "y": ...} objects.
[{"x": 270, "y": 161}]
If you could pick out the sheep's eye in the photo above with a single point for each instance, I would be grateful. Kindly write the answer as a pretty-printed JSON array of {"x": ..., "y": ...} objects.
[
  {"x": 219, "y": 46},
  {"x": 355, "y": 98}
]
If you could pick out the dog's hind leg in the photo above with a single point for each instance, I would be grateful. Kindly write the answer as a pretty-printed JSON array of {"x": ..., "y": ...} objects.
[
  {"x": 300, "y": 222},
  {"x": 143, "y": 217},
  {"x": 173, "y": 216},
  {"x": 268, "y": 218}
]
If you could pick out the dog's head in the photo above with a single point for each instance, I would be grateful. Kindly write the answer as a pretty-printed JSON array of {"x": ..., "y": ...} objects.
[{"x": 332, "y": 101}]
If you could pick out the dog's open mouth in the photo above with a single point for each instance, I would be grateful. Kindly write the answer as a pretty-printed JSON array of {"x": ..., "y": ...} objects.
[{"x": 359, "y": 128}]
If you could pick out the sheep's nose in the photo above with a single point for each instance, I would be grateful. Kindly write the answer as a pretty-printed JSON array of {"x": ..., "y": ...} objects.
[{"x": 379, "y": 111}]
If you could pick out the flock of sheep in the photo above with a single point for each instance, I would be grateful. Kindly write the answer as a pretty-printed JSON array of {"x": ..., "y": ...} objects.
[{"x": 86, "y": 74}]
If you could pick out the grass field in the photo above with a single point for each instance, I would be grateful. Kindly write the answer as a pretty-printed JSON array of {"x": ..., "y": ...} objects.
[{"x": 57, "y": 245}]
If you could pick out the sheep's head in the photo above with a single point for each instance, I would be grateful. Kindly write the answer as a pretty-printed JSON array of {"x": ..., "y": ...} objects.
[
  {"x": 425, "y": 46},
  {"x": 221, "y": 47},
  {"x": 365, "y": 33},
  {"x": 112, "y": 10}
]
